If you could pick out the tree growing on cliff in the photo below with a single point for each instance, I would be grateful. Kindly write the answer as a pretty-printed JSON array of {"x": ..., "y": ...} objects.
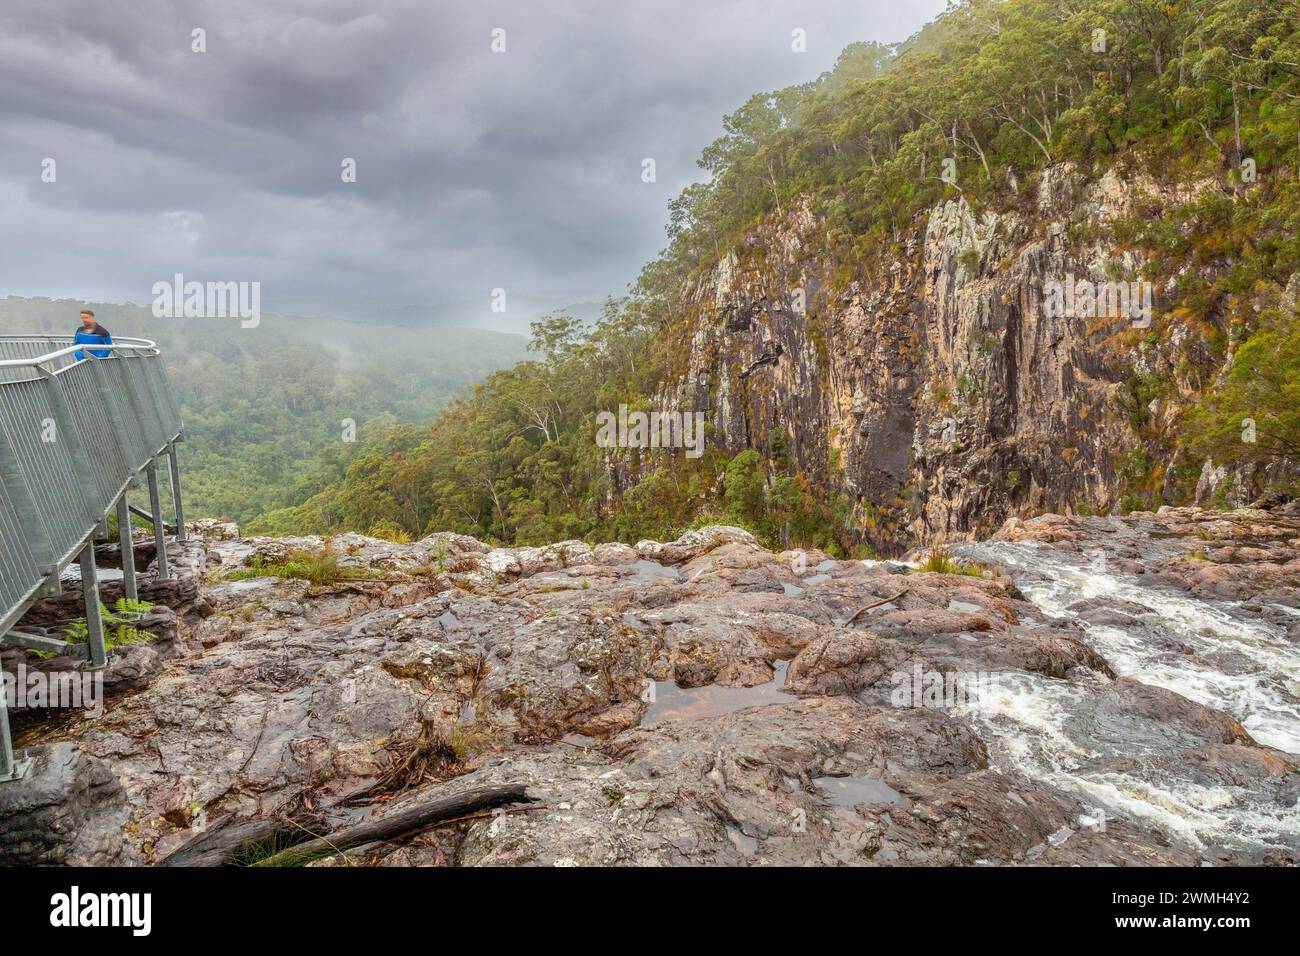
[{"x": 1255, "y": 416}]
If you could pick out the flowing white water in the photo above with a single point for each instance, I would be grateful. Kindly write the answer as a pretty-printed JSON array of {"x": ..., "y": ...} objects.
[
  {"x": 1264, "y": 691},
  {"x": 1209, "y": 652}
]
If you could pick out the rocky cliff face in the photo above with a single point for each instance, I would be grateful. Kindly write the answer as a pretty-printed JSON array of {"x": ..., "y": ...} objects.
[
  {"x": 1104, "y": 690},
  {"x": 935, "y": 391}
]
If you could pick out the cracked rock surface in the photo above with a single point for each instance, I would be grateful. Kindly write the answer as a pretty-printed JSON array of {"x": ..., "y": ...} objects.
[{"x": 705, "y": 701}]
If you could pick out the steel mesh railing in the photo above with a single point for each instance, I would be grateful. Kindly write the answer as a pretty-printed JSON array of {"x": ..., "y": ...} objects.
[
  {"x": 73, "y": 436},
  {"x": 33, "y": 347},
  {"x": 17, "y": 568}
]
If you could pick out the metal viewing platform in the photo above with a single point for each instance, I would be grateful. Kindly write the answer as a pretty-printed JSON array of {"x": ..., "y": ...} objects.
[{"x": 75, "y": 433}]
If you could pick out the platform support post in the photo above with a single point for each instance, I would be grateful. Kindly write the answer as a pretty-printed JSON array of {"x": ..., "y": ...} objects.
[
  {"x": 94, "y": 619},
  {"x": 156, "y": 516},
  {"x": 176, "y": 490},
  {"x": 129, "y": 588},
  {"x": 10, "y": 768}
]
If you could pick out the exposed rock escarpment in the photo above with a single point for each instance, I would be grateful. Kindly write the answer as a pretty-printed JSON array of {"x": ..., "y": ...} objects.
[{"x": 935, "y": 392}]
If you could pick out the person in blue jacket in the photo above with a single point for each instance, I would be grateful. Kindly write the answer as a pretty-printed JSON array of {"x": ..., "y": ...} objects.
[{"x": 91, "y": 332}]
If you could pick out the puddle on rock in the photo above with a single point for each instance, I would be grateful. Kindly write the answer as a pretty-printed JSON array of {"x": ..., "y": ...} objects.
[
  {"x": 857, "y": 791},
  {"x": 791, "y": 589},
  {"x": 646, "y": 570},
  {"x": 817, "y": 579},
  {"x": 967, "y": 606},
  {"x": 747, "y": 845},
  {"x": 683, "y": 703}
]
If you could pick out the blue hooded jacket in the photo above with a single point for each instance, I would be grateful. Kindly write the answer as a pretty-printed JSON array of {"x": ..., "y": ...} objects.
[{"x": 96, "y": 336}]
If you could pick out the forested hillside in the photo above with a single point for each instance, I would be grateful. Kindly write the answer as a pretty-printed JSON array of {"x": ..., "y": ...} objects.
[
  {"x": 263, "y": 405},
  {"x": 914, "y": 200},
  {"x": 1197, "y": 100}
]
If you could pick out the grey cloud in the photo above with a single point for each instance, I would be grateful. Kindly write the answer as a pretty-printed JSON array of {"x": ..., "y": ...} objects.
[{"x": 476, "y": 170}]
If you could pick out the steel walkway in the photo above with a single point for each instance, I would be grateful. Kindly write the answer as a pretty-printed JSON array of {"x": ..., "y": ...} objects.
[{"x": 74, "y": 437}]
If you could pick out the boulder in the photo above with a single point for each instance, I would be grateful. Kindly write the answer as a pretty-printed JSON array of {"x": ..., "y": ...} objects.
[{"x": 68, "y": 810}]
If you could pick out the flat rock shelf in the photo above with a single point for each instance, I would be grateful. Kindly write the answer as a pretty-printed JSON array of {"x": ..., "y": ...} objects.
[{"x": 1107, "y": 691}]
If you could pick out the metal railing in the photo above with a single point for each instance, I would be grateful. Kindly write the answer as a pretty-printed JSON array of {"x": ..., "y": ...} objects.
[{"x": 78, "y": 423}]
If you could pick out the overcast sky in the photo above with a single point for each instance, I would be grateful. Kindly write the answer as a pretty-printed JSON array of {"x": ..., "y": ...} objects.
[{"x": 475, "y": 170}]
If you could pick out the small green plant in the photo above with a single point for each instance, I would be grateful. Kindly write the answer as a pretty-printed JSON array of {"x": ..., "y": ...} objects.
[
  {"x": 257, "y": 850},
  {"x": 318, "y": 567},
  {"x": 467, "y": 740},
  {"x": 941, "y": 561},
  {"x": 388, "y": 531},
  {"x": 119, "y": 626}
]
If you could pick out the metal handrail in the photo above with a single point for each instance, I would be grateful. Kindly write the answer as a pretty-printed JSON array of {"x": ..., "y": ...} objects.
[
  {"x": 53, "y": 338},
  {"x": 74, "y": 437},
  {"x": 136, "y": 345}
]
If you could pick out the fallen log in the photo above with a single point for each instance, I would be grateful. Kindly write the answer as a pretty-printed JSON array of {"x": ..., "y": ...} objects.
[
  {"x": 399, "y": 824},
  {"x": 861, "y": 610},
  {"x": 227, "y": 843}
]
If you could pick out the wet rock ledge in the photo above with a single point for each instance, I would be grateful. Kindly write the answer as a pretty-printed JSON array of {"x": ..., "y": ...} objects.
[{"x": 701, "y": 701}]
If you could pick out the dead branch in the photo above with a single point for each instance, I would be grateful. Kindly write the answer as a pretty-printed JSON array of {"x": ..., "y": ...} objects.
[
  {"x": 888, "y": 600},
  {"x": 399, "y": 824}
]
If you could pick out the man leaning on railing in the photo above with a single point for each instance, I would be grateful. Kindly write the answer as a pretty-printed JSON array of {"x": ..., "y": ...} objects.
[{"x": 92, "y": 333}]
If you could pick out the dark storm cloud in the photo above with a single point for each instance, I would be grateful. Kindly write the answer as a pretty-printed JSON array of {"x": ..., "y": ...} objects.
[{"x": 476, "y": 170}]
